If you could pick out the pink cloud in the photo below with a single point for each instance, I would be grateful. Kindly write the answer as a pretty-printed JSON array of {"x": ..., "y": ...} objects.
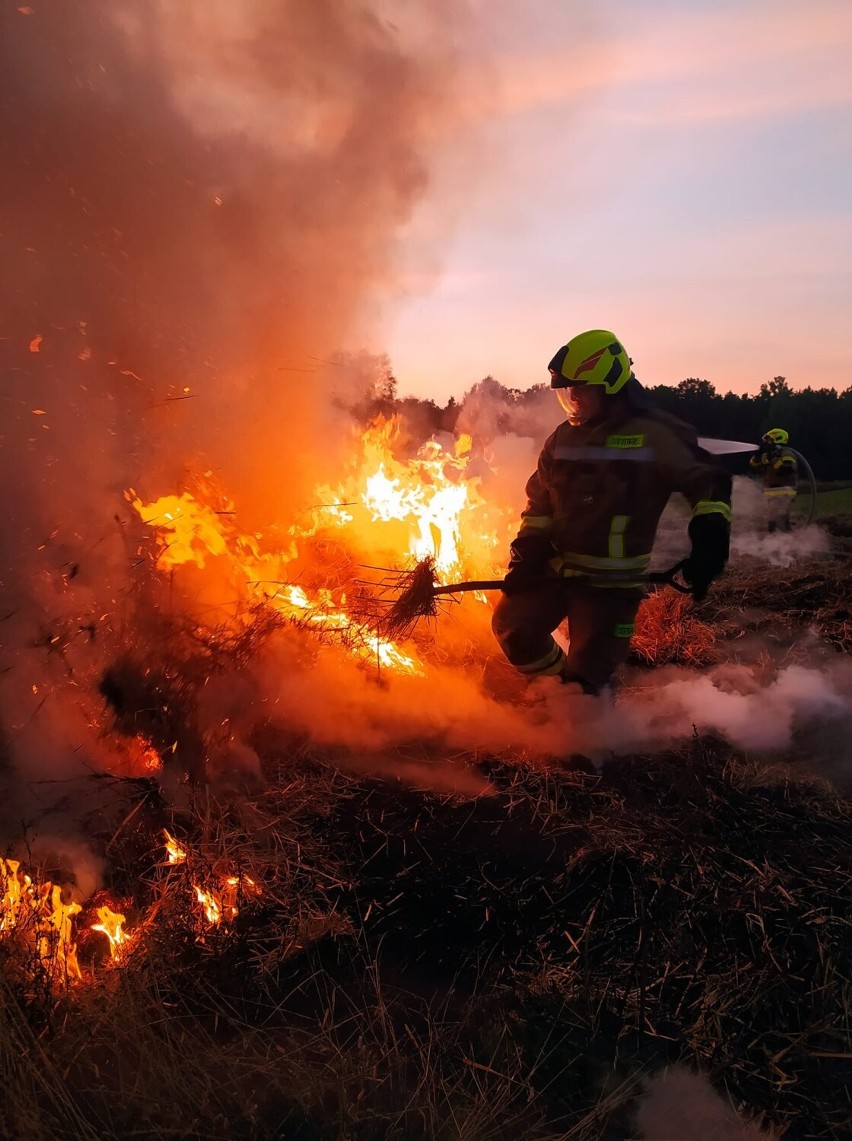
[{"x": 762, "y": 60}]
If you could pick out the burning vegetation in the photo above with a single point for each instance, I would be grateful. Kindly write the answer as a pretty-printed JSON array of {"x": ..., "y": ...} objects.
[
  {"x": 397, "y": 939},
  {"x": 279, "y": 859}
]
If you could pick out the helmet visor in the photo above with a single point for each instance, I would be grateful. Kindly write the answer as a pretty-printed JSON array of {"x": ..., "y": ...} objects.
[{"x": 580, "y": 402}]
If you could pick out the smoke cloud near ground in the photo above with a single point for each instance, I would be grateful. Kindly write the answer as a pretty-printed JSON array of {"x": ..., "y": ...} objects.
[
  {"x": 749, "y": 536},
  {"x": 801, "y": 714},
  {"x": 681, "y": 1105}
]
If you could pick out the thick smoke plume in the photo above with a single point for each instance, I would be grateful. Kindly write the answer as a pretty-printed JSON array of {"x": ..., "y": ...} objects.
[{"x": 198, "y": 201}]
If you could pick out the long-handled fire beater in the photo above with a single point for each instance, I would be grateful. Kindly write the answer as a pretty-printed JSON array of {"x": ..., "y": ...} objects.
[{"x": 419, "y": 593}]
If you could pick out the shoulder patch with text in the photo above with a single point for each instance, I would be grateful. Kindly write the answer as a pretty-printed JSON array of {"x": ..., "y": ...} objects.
[{"x": 625, "y": 441}]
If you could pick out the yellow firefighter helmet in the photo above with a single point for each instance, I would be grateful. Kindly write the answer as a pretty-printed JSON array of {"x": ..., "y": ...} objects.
[
  {"x": 595, "y": 357},
  {"x": 777, "y": 436}
]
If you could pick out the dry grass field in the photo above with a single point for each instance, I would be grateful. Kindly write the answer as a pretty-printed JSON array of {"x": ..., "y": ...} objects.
[{"x": 392, "y": 963}]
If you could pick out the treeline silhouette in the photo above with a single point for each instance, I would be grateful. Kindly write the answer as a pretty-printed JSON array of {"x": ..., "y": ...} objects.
[{"x": 819, "y": 420}]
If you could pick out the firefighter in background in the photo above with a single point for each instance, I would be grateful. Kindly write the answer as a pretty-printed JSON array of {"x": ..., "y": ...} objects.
[
  {"x": 593, "y": 505},
  {"x": 780, "y": 469}
]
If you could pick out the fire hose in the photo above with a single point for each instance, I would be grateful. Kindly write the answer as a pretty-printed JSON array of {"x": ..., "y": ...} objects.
[
  {"x": 812, "y": 486},
  {"x": 726, "y": 447}
]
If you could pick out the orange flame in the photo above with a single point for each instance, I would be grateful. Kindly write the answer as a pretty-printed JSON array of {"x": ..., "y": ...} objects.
[
  {"x": 38, "y": 912},
  {"x": 431, "y": 496},
  {"x": 111, "y": 923},
  {"x": 224, "y": 903},
  {"x": 212, "y": 906},
  {"x": 175, "y": 854},
  {"x": 56, "y": 941}
]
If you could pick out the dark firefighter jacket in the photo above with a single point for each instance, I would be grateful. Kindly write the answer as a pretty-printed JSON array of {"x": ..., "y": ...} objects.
[
  {"x": 780, "y": 470},
  {"x": 600, "y": 489}
]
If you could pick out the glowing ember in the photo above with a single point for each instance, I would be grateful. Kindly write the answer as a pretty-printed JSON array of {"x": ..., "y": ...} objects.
[{"x": 149, "y": 759}]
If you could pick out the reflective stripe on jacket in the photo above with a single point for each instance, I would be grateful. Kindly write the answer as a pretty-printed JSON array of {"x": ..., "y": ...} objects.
[
  {"x": 599, "y": 491},
  {"x": 779, "y": 470}
]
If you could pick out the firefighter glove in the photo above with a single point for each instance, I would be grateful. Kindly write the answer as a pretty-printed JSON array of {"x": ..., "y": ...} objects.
[
  {"x": 710, "y": 535},
  {"x": 529, "y": 556}
]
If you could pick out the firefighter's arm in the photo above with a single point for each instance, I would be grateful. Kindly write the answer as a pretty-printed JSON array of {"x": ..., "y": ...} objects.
[
  {"x": 707, "y": 489},
  {"x": 532, "y": 548},
  {"x": 786, "y": 463}
]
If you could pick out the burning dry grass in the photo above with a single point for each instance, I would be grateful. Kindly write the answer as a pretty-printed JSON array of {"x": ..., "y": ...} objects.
[
  {"x": 419, "y": 965},
  {"x": 326, "y": 955},
  {"x": 776, "y": 603}
]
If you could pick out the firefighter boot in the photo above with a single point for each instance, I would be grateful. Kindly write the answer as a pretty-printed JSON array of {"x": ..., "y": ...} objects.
[{"x": 577, "y": 684}]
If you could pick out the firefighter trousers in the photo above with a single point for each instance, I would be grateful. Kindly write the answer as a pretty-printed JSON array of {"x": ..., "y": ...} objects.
[
  {"x": 600, "y": 626},
  {"x": 779, "y": 507}
]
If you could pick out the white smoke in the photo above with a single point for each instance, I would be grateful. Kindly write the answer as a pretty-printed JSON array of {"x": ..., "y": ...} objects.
[
  {"x": 663, "y": 708},
  {"x": 450, "y": 711},
  {"x": 681, "y": 1105},
  {"x": 750, "y": 538}
]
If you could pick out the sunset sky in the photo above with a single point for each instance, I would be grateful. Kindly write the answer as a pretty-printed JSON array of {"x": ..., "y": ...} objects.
[{"x": 679, "y": 171}]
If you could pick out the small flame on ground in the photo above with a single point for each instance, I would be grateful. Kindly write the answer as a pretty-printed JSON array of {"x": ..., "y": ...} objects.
[
  {"x": 224, "y": 903},
  {"x": 111, "y": 923},
  {"x": 175, "y": 854},
  {"x": 38, "y": 912},
  {"x": 212, "y": 906}
]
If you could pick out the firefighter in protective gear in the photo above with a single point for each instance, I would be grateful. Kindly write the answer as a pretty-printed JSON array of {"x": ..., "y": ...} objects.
[
  {"x": 779, "y": 467},
  {"x": 593, "y": 505}
]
